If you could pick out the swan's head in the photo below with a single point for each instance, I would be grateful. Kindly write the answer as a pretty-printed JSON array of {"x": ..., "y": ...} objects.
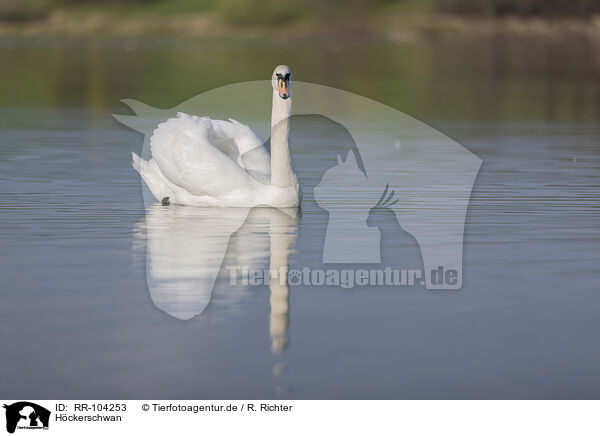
[{"x": 282, "y": 81}]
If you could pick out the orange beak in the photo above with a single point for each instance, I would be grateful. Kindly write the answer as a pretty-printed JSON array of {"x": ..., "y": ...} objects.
[{"x": 284, "y": 91}]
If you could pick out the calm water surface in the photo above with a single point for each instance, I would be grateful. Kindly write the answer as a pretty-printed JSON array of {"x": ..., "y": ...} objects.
[{"x": 78, "y": 319}]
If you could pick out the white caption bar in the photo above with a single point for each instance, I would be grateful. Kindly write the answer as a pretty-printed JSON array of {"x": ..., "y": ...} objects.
[{"x": 301, "y": 417}]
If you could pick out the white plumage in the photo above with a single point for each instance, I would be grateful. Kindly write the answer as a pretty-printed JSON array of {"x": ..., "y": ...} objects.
[{"x": 198, "y": 161}]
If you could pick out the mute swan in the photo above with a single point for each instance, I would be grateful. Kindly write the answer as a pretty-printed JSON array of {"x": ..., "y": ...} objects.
[{"x": 198, "y": 161}]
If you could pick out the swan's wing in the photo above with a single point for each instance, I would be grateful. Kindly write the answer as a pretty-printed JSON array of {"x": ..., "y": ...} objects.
[
  {"x": 243, "y": 145},
  {"x": 187, "y": 157}
]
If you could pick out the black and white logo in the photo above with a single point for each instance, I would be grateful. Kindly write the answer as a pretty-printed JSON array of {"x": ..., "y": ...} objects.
[{"x": 26, "y": 415}]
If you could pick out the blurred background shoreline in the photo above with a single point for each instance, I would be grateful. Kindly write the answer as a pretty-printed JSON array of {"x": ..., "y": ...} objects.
[{"x": 395, "y": 20}]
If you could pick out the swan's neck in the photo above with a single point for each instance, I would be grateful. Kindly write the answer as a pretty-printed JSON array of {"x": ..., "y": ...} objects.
[{"x": 281, "y": 165}]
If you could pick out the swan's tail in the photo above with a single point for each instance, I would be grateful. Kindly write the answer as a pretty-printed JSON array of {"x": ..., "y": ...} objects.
[
  {"x": 151, "y": 175},
  {"x": 137, "y": 162}
]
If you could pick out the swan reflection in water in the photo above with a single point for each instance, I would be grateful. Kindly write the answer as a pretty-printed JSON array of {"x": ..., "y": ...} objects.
[{"x": 188, "y": 249}]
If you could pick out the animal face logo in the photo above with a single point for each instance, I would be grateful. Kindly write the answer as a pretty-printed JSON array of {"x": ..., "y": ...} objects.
[{"x": 26, "y": 415}]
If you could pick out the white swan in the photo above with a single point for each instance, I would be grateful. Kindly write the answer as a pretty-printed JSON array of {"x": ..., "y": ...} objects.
[{"x": 198, "y": 161}]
